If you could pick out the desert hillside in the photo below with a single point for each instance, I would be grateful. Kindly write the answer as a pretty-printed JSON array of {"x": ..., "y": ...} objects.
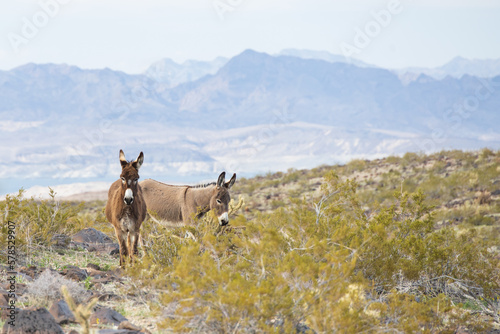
[{"x": 400, "y": 244}]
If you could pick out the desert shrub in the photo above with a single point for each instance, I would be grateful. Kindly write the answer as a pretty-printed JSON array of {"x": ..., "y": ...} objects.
[
  {"x": 37, "y": 221},
  {"x": 485, "y": 153},
  {"x": 320, "y": 170},
  {"x": 96, "y": 219},
  {"x": 478, "y": 219},
  {"x": 399, "y": 249},
  {"x": 435, "y": 188},
  {"x": 292, "y": 175},
  {"x": 458, "y": 154},
  {"x": 487, "y": 174},
  {"x": 410, "y": 185},
  {"x": 276, "y": 203},
  {"x": 439, "y": 166},
  {"x": 355, "y": 165},
  {"x": 47, "y": 288},
  {"x": 412, "y": 157},
  {"x": 393, "y": 159}
]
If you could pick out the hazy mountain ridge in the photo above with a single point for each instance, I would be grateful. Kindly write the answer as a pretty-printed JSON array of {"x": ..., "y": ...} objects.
[
  {"x": 456, "y": 68},
  {"x": 323, "y": 55},
  {"x": 172, "y": 74}
]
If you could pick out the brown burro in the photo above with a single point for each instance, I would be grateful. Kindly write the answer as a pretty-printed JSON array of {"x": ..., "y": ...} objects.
[
  {"x": 180, "y": 205},
  {"x": 126, "y": 208}
]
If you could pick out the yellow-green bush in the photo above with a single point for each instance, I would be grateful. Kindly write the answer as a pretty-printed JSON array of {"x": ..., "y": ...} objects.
[{"x": 36, "y": 222}]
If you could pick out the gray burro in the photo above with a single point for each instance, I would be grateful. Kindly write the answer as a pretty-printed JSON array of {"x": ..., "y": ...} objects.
[{"x": 181, "y": 205}]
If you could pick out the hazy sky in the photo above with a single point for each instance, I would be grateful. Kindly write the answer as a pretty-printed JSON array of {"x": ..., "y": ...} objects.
[{"x": 129, "y": 35}]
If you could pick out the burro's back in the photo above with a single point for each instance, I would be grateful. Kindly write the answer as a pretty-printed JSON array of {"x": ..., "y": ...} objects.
[
  {"x": 163, "y": 201},
  {"x": 180, "y": 205}
]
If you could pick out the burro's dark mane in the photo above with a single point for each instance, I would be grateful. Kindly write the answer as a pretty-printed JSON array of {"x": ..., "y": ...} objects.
[
  {"x": 201, "y": 185},
  {"x": 204, "y": 185}
]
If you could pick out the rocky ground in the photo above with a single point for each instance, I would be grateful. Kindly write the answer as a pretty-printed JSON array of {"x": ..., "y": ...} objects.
[{"x": 82, "y": 262}]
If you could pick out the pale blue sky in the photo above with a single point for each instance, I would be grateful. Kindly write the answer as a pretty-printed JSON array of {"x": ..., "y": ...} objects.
[{"x": 129, "y": 35}]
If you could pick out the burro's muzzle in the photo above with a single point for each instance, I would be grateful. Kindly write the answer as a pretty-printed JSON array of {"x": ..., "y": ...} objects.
[
  {"x": 224, "y": 219},
  {"x": 129, "y": 196}
]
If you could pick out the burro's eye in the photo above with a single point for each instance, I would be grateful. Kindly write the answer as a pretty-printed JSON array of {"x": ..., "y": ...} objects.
[
  {"x": 135, "y": 181},
  {"x": 123, "y": 180},
  {"x": 219, "y": 201}
]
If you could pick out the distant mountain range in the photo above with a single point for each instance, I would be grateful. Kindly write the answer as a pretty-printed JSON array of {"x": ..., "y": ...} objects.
[
  {"x": 171, "y": 73},
  {"x": 458, "y": 67},
  {"x": 322, "y": 55},
  {"x": 255, "y": 113}
]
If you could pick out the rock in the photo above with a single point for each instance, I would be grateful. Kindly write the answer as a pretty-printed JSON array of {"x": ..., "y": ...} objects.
[
  {"x": 93, "y": 266},
  {"x": 5, "y": 313},
  {"x": 20, "y": 289},
  {"x": 61, "y": 312},
  {"x": 132, "y": 327},
  {"x": 74, "y": 273},
  {"x": 301, "y": 328},
  {"x": 118, "y": 331},
  {"x": 94, "y": 241},
  {"x": 5, "y": 295},
  {"x": 109, "y": 296},
  {"x": 107, "y": 316},
  {"x": 33, "y": 320},
  {"x": 456, "y": 202},
  {"x": 60, "y": 240},
  {"x": 78, "y": 245},
  {"x": 91, "y": 236},
  {"x": 107, "y": 248},
  {"x": 32, "y": 271},
  {"x": 127, "y": 325},
  {"x": 96, "y": 273},
  {"x": 24, "y": 277},
  {"x": 103, "y": 280}
]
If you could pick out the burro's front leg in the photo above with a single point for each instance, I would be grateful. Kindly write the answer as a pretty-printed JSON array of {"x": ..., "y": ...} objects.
[
  {"x": 122, "y": 241},
  {"x": 136, "y": 242},
  {"x": 133, "y": 238}
]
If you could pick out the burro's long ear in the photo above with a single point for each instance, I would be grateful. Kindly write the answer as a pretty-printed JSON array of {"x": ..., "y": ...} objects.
[
  {"x": 221, "y": 179},
  {"x": 229, "y": 184},
  {"x": 123, "y": 161},
  {"x": 138, "y": 162}
]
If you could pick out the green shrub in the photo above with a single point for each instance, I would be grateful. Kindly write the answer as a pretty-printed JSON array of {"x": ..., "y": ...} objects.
[
  {"x": 355, "y": 165},
  {"x": 36, "y": 222},
  {"x": 412, "y": 157},
  {"x": 393, "y": 159},
  {"x": 486, "y": 153}
]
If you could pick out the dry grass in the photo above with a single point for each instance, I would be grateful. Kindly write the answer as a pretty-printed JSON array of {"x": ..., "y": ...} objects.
[{"x": 47, "y": 289}]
